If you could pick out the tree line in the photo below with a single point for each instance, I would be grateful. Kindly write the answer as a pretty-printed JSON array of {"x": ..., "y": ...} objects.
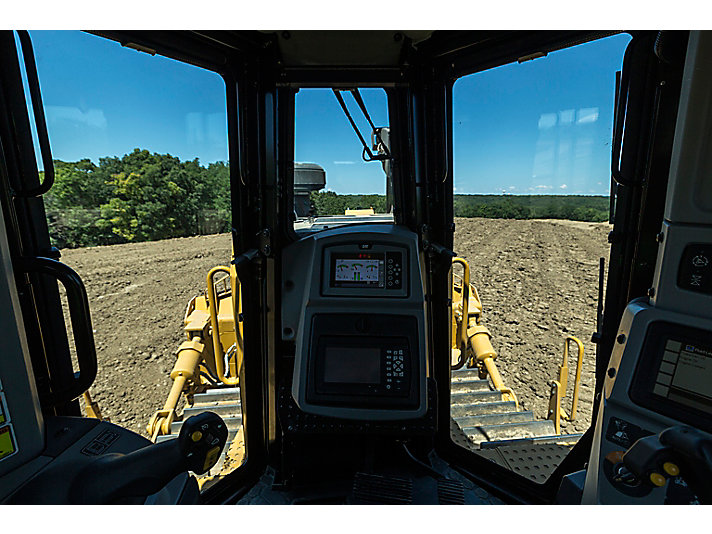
[
  {"x": 145, "y": 196},
  {"x": 138, "y": 197},
  {"x": 572, "y": 207}
]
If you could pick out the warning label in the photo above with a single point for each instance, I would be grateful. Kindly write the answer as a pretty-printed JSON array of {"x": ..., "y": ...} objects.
[
  {"x": 7, "y": 442},
  {"x": 4, "y": 416}
]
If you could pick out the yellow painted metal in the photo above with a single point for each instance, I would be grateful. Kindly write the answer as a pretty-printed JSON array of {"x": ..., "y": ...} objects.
[
  {"x": 190, "y": 354},
  {"x": 91, "y": 407},
  {"x": 558, "y": 389},
  {"x": 463, "y": 311},
  {"x": 554, "y": 412},
  {"x": 218, "y": 351},
  {"x": 579, "y": 367},
  {"x": 471, "y": 341}
]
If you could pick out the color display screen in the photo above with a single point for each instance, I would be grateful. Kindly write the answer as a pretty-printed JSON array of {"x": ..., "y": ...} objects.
[{"x": 356, "y": 270}]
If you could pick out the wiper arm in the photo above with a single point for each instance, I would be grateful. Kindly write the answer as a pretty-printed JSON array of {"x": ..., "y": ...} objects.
[{"x": 367, "y": 154}]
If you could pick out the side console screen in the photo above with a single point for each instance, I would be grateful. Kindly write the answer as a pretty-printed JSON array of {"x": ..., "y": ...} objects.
[
  {"x": 674, "y": 374},
  {"x": 685, "y": 374}
]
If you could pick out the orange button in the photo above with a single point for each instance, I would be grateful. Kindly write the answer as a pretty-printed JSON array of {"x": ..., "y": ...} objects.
[
  {"x": 671, "y": 469},
  {"x": 657, "y": 479}
]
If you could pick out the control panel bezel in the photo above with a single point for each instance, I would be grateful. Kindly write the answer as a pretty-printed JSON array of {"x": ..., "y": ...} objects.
[
  {"x": 361, "y": 331},
  {"x": 644, "y": 379},
  {"x": 395, "y": 271}
]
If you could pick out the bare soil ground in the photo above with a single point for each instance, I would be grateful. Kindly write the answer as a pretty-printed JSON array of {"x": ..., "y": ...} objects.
[
  {"x": 538, "y": 282},
  {"x": 537, "y": 279}
]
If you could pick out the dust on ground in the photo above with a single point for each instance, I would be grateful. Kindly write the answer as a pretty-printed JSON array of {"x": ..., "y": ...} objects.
[{"x": 538, "y": 281}]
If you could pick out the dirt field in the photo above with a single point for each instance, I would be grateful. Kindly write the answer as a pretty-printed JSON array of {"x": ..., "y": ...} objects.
[{"x": 537, "y": 280}]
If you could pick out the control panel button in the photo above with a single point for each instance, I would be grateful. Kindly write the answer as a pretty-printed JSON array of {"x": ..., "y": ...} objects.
[{"x": 695, "y": 272}]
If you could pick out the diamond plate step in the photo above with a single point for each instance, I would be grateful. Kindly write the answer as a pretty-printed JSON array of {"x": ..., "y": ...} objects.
[
  {"x": 470, "y": 385},
  {"x": 529, "y": 429},
  {"x": 475, "y": 397},
  {"x": 563, "y": 439},
  {"x": 482, "y": 408},
  {"x": 494, "y": 419}
]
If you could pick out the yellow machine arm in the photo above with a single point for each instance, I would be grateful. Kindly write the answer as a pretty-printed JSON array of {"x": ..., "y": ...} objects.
[
  {"x": 471, "y": 342},
  {"x": 214, "y": 335}
]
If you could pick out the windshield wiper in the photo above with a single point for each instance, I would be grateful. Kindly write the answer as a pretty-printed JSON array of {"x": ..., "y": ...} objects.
[{"x": 367, "y": 154}]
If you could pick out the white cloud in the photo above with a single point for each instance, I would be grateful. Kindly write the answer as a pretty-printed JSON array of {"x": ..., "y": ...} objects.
[
  {"x": 562, "y": 186},
  {"x": 344, "y": 163},
  {"x": 512, "y": 188},
  {"x": 543, "y": 187},
  {"x": 91, "y": 117}
]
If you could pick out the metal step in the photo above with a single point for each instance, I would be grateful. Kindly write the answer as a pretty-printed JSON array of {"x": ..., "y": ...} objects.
[
  {"x": 220, "y": 409},
  {"x": 464, "y": 374},
  {"x": 464, "y": 410},
  {"x": 218, "y": 395},
  {"x": 563, "y": 439},
  {"x": 470, "y": 385},
  {"x": 528, "y": 429},
  {"x": 494, "y": 419},
  {"x": 475, "y": 397}
]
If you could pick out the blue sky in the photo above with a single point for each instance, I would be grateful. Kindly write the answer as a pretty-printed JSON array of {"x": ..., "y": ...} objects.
[{"x": 542, "y": 127}]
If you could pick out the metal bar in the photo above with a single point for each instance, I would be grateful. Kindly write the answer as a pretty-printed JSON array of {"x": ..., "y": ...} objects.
[
  {"x": 79, "y": 315},
  {"x": 33, "y": 83},
  {"x": 464, "y": 307},
  {"x": 357, "y": 97},
  {"x": 337, "y": 94},
  {"x": 577, "y": 381},
  {"x": 215, "y": 328}
]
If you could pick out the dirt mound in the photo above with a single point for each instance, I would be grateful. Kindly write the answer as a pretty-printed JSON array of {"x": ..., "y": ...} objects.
[{"x": 537, "y": 279}]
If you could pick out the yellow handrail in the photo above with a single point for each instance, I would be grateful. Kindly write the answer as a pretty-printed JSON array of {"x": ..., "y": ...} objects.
[
  {"x": 464, "y": 309},
  {"x": 215, "y": 329},
  {"x": 559, "y": 386}
]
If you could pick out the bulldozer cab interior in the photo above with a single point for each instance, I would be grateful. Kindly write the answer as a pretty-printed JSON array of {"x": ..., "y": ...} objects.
[{"x": 342, "y": 362}]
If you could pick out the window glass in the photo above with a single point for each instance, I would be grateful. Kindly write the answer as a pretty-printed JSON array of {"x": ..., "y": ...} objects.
[
  {"x": 532, "y": 157},
  {"x": 141, "y": 210},
  {"x": 339, "y": 177}
]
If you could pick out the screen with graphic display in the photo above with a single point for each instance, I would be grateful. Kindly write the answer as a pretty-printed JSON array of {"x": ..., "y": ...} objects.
[
  {"x": 363, "y": 269},
  {"x": 356, "y": 270}
]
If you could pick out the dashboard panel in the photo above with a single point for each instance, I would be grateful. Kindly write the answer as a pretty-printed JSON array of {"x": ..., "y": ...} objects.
[{"x": 353, "y": 303}]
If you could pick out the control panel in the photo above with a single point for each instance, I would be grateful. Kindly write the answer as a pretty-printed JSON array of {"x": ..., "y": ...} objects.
[
  {"x": 659, "y": 376},
  {"x": 351, "y": 268},
  {"x": 353, "y": 303},
  {"x": 361, "y": 360},
  {"x": 695, "y": 272}
]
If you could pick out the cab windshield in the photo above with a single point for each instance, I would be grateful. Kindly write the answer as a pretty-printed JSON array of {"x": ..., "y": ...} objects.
[{"x": 342, "y": 158}]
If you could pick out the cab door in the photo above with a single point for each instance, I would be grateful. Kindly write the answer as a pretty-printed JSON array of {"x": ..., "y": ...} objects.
[{"x": 641, "y": 140}]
